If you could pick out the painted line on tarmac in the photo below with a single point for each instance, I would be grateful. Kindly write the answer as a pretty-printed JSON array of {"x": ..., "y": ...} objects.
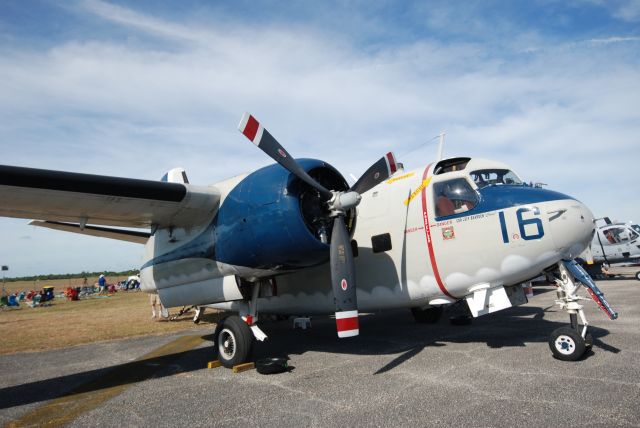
[{"x": 90, "y": 395}]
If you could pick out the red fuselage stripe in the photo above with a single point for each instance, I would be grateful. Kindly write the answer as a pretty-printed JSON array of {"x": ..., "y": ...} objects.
[
  {"x": 345, "y": 324},
  {"x": 427, "y": 231}
]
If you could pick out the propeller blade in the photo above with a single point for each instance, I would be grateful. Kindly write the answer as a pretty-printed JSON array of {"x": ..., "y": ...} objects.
[
  {"x": 259, "y": 136},
  {"x": 376, "y": 174},
  {"x": 343, "y": 280}
]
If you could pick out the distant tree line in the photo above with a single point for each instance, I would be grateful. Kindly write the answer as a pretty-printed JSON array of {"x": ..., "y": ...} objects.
[{"x": 73, "y": 275}]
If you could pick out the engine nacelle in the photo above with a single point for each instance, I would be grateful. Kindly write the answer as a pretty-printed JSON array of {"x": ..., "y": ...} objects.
[{"x": 273, "y": 220}]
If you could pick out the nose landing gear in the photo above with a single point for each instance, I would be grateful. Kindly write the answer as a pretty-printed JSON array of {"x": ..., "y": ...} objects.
[{"x": 570, "y": 343}]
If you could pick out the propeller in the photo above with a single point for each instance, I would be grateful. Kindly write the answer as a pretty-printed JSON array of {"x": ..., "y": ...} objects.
[{"x": 343, "y": 278}]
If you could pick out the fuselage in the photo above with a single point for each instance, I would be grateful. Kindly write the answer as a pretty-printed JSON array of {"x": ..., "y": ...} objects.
[{"x": 423, "y": 237}]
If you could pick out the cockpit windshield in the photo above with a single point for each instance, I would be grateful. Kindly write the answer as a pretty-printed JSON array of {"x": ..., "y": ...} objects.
[
  {"x": 636, "y": 227},
  {"x": 488, "y": 177}
]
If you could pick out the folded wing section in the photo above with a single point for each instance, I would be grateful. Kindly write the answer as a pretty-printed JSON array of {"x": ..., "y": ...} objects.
[{"x": 82, "y": 199}]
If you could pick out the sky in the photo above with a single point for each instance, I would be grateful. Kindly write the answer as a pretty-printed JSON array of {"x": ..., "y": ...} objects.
[{"x": 133, "y": 89}]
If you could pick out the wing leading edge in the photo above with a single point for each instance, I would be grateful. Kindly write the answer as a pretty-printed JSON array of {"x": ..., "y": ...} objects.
[{"x": 70, "y": 197}]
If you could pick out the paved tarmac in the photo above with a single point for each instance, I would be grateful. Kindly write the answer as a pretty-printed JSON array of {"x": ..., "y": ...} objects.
[{"x": 498, "y": 371}]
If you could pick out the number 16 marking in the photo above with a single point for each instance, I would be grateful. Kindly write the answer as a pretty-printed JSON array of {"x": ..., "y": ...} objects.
[{"x": 522, "y": 222}]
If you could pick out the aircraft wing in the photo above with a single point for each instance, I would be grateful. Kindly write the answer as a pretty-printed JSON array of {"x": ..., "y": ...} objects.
[
  {"x": 58, "y": 196},
  {"x": 101, "y": 232}
]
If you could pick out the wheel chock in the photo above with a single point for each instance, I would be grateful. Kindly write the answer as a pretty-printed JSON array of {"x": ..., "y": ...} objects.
[
  {"x": 214, "y": 364},
  {"x": 243, "y": 367}
]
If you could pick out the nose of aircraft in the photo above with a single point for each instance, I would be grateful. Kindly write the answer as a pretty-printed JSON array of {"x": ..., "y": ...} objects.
[{"x": 571, "y": 224}]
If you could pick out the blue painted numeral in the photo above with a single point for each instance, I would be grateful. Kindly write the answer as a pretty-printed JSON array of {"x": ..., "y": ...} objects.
[
  {"x": 503, "y": 227},
  {"x": 522, "y": 222}
]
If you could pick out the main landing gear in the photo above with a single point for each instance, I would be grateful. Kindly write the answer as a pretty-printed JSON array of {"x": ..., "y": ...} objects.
[
  {"x": 234, "y": 335},
  {"x": 234, "y": 341},
  {"x": 571, "y": 342}
]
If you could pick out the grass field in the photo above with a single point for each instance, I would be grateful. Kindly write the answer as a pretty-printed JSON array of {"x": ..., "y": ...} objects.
[{"x": 66, "y": 323}]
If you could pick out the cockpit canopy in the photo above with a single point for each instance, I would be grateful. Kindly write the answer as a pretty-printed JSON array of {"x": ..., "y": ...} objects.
[
  {"x": 456, "y": 183},
  {"x": 495, "y": 177},
  {"x": 619, "y": 234}
]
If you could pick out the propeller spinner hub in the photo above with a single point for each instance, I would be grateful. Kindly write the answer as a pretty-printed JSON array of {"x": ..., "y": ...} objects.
[{"x": 343, "y": 201}]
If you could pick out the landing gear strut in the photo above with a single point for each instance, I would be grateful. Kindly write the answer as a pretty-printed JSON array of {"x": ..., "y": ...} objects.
[{"x": 570, "y": 343}]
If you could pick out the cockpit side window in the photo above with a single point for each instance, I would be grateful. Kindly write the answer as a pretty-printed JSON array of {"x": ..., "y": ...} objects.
[
  {"x": 496, "y": 177},
  {"x": 454, "y": 197},
  {"x": 618, "y": 235}
]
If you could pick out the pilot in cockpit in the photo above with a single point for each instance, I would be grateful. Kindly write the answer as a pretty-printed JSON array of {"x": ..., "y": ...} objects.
[{"x": 454, "y": 197}]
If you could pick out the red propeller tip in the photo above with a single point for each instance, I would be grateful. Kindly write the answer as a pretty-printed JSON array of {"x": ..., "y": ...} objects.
[
  {"x": 347, "y": 323},
  {"x": 251, "y": 128}
]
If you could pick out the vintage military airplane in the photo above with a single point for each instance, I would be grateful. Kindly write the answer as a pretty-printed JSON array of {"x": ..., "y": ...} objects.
[
  {"x": 293, "y": 238},
  {"x": 616, "y": 242}
]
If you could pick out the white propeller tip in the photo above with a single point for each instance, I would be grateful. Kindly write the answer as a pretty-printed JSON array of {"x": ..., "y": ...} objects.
[{"x": 348, "y": 333}]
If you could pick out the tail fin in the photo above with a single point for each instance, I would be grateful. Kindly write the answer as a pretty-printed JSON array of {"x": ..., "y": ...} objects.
[{"x": 176, "y": 175}]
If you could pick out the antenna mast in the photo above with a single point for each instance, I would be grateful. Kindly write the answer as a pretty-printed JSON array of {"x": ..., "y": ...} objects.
[{"x": 440, "y": 145}]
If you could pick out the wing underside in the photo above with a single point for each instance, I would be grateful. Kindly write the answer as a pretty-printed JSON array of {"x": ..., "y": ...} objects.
[
  {"x": 83, "y": 199},
  {"x": 134, "y": 236}
]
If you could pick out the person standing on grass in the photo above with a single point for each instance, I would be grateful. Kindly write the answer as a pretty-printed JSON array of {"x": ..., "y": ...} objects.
[
  {"x": 157, "y": 304},
  {"x": 102, "y": 281}
]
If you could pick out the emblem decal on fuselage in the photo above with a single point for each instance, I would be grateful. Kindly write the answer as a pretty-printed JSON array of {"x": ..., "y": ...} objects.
[
  {"x": 448, "y": 233},
  {"x": 343, "y": 284}
]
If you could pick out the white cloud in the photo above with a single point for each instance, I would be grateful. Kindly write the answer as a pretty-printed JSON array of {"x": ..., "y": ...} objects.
[
  {"x": 565, "y": 114},
  {"x": 625, "y": 10}
]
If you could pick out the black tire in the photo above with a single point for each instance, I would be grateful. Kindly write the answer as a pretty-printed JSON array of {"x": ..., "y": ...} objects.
[
  {"x": 638, "y": 275},
  {"x": 566, "y": 344},
  {"x": 272, "y": 365},
  {"x": 233, "y": 341},
  {"x": 427, "y": 316}
]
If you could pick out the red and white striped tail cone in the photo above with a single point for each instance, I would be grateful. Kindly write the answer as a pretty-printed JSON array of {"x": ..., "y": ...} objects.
[{"x": 347, "y": 323}]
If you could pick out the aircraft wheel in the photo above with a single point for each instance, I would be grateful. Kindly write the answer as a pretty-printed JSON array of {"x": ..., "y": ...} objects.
[
  {"x": 638, "y": 275},
  {"x": 233, "y": 341},
  {"x": 566, "y": 344},
  {"x": 427, "y": 316}
]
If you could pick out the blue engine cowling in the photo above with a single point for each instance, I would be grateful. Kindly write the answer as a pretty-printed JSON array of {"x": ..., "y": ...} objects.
[{"x": 273, "y": 220}]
